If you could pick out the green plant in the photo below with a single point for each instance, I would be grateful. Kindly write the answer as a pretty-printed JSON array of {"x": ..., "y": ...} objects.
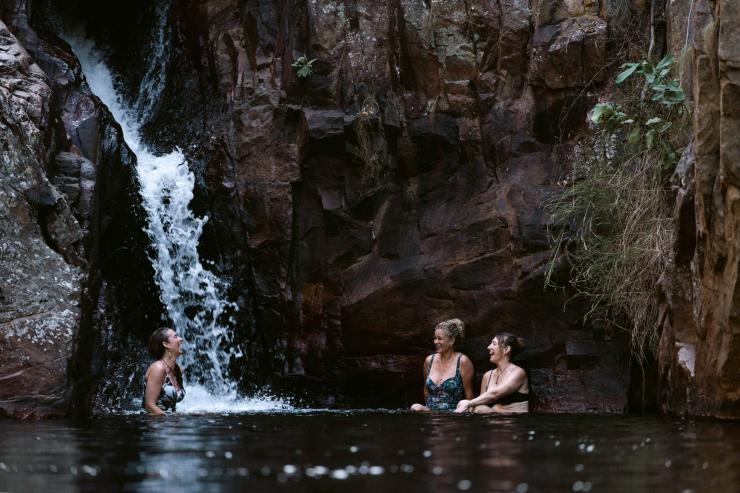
[
  {"x": 304, "y": 67},
  {"x": 665, "y": 91},
  {"x": 653, "y": 119},
  {"x": 611, "y": 222}
]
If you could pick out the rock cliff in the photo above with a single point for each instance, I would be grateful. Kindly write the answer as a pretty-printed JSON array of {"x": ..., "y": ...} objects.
[
  {"x": 398, "y": 185},
  {"x": 40, "y": 291},
  {"x": 700, "y": 345},
  {"x": 75, "y": 280}
]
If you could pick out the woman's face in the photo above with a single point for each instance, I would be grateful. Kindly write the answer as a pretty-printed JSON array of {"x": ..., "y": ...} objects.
[
  {"x": 497, "y": 351},
  {"x": 173, "y": 342},
  {"x": 442, "y": 342}
]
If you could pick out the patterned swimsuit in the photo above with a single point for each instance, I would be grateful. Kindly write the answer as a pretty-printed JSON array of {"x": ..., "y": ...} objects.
[
  {"x": 446, "y": 395},
  {"x": 168, "y": 395}
]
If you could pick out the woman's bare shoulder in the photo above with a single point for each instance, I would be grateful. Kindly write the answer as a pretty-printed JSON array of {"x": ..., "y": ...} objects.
[
  {"x": 156, "y": 369},
  {"x": 464, "y": 359},
  {"x": 518, "y": 372}
]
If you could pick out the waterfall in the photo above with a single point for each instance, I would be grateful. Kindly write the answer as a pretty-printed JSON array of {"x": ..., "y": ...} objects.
[{"x": 195, "y": 298}]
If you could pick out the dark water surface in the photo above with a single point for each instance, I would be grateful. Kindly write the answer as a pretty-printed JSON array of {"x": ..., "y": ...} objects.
[{"x": 370, "y": 451}]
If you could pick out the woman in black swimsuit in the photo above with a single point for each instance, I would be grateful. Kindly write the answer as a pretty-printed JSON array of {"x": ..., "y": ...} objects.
[
  {"x": 163, "y": 380},
  {"x": 505, "y": 389}
]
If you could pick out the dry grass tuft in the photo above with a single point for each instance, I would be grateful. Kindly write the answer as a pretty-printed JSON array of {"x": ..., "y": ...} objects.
[{"x": 612, "y": 224}]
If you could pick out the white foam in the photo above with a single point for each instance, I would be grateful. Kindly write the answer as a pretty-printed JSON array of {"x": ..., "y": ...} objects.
[{"x": 199, "y": 400}]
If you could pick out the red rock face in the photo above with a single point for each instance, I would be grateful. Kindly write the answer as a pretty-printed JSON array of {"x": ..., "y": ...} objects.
[
  {"x": 397, "y": 186},
  {"x": 39, "y": 315},
  {"x": 68, "y": 247},
  {"x": 38, "y": 290},
  {"x": 700, "y": 347}
]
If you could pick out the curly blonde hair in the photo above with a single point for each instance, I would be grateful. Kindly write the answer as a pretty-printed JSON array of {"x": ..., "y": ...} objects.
[{"x": 454, "y": 328}]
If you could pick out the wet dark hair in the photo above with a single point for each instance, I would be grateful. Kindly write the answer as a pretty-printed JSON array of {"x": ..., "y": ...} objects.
[
  {"x": 454, "y": 328},
  {"x": 159, "y": 336},
  {"x": 156, "y": 348},
  {"x": 508, "y": 339}
]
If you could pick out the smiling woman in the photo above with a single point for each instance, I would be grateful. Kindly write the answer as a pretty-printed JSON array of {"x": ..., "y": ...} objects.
[
  {"x": 163, "y": 387},
  {"x": 448, "y": 375},
  {"x": 505, "y": 389}
]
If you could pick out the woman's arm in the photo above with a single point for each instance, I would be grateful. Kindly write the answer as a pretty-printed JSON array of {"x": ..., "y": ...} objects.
[
  {"x": 426, "y": 372},
  {"x": 509, "y": 385},
  {"x": 462, "y": 406},
  {"x": 154, "y": 381},
  {"x": 467, "y": 371}
]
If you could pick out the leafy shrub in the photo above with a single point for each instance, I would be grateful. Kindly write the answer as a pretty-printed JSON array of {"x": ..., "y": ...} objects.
[{"x": 612, "y": 223}]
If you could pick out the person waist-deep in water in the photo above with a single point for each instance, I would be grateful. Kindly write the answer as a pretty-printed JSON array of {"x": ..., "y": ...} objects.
[
  {"x": 163, "y": 387},
  {"x": 504, "y": 389},
  {"x": 448, "y": 374}
]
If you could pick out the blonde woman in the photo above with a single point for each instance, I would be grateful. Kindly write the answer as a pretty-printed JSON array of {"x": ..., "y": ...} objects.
[{"x": 448, "y": 374}]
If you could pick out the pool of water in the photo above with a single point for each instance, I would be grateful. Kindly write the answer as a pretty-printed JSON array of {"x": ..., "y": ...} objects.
[{"x": 374, "y": 451}]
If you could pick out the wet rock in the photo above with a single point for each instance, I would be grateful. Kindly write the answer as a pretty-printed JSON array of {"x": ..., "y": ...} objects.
[
  {"x": 39, "y": 307},
  {"x": 75, "y": 176},
  {"x": 323, "y": 124},
  {"x": 97, "y": 235},
  {"x": 587, "y": 391}
]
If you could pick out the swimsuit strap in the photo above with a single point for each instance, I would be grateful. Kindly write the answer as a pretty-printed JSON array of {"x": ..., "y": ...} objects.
[{"x": 457, "y": 369}]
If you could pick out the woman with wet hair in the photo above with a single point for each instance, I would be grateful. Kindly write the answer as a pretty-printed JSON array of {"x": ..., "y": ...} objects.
[
  {"x": 504, "y": 389},
  {"x": 448, "y": 374},
  {"x": 163, "y": 380}
]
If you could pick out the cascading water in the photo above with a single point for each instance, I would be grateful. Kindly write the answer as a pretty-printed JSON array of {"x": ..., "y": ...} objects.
[{"x": 194, "y": 297}]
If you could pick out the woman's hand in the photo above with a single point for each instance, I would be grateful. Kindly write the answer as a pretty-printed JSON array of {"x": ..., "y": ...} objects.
[{"x": 462, "y": 406}]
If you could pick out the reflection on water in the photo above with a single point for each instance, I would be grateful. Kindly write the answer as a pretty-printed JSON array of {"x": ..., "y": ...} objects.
[{"x": 369, "y": 451}]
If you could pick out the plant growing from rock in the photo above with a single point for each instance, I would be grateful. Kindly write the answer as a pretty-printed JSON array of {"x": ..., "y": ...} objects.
[
  {"x": 612, "y": 224},
  {"x": 304, "y": 67}
]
